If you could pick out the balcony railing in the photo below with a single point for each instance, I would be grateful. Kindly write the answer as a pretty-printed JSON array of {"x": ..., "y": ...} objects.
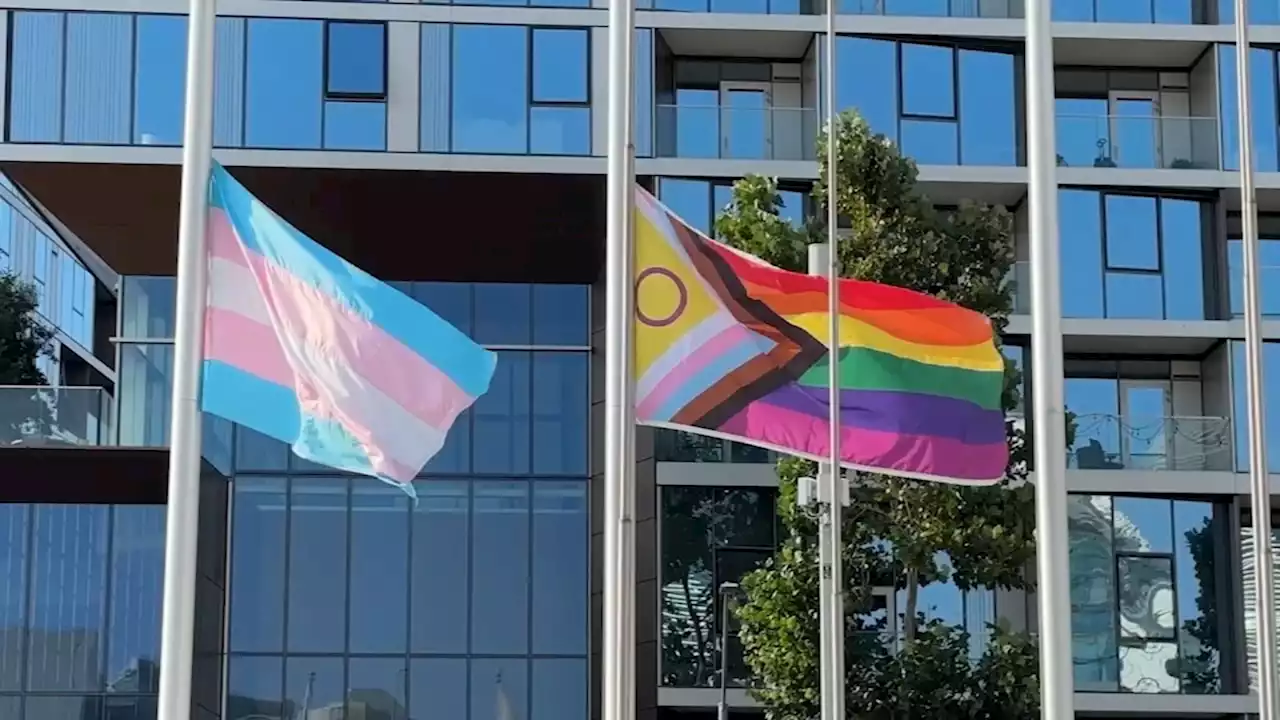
[
  {"x": 1123, "y": 442},
  {"x": 744, "y": 132},
  {"x": 34, "y": 416},
  {"x": 934, "y": 8},
  {"x": 676, "y": 446},
  {"x": 1144, "y": 142}
]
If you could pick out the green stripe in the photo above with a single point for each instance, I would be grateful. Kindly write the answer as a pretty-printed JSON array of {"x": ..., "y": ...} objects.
[{"x": 866, "y": 369}]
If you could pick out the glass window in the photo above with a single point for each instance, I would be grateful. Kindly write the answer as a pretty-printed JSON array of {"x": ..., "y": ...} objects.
[
  {"x": 376, "y": 688},
  {"x": 379, "y": 612},
  {"x": 148, "y": 312},
  {"x": 254, "y": 689},
  {"x": 697, "y": 525},
  {"x": 875, "y": 95},
  {"x": 356, "y": 59},
  {"x": 928, "y": 81},
  {"x": 62, "y": 707},
  {"x": 435, "y": 73},
  {"x": 500, "y": 418},
  {"x": 1080, "y": 221},
  {"x": 1181, "y": 233},
  {"x": 314, "y": 684},
  {"x": 560, "y": 527},
  {"x": 560, "y": 413},
  {"x": 68, "y": 598},
  {"x": 643, "y": 94},
  {"x": 560, "y": 130},
  {"x": 317, "y": 603},
  {"x": 137, "y": 578},
  {"x": 257, "y": 452},
  {"x": 559, "y": 689},
  {"x": 160, "y": 79},
  {"x": 438, "y": 689},
  {"x": 560, "y": 315},
  {"x": 352, "y": 125},
  {"x": 500, "y": 568},
  {"x": 503, "y": 313},
  {"x": 500, "y": 688},
  {"x": 1265, "y": 120},
  {"x": 143, "y": 405},
  {"x": 258, "y": 564},
  {"x": 560, "y": 65},
  {"x": 229, "y": 82},
  {"x": 13, "y": 592},
  {"x": 284, "y": 83},
  {"x": 99, "y": 78},
  {"x": 988, "y": 111},
  {"x": 490, "y": 89},
  {"x": 1093, "y": 593},
  {"x": 35, "y": 77},
  {"x": 440, "y": 571},
  {"x": 1198, "y": 576},
  {"x": 1133, "y": 241}
]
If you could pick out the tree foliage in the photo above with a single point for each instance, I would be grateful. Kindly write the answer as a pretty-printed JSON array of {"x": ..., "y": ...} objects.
[
  {"x": 897, "y": 533},
  {"x": 23, "y": 341}
]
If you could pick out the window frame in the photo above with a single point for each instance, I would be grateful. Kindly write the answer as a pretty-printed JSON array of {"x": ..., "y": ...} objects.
[{"x": 329, "y": 93}]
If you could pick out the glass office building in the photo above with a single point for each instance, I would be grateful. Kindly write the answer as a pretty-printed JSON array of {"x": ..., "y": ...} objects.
[{"x": 457, "y": 149}]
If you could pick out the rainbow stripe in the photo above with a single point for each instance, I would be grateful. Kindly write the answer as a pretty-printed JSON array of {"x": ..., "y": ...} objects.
[
  {"x": 921, "y": 379},
  {"x": 306, "y": 348}
]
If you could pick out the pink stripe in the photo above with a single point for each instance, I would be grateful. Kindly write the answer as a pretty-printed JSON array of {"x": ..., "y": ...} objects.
[
  {"x": 332, "y": 331},
  {"x": 246, "y": 345},
  {"x": 945, "y": 459},
  {"x": 690, "y": 366},
  {"x": 381, "y": 462}
]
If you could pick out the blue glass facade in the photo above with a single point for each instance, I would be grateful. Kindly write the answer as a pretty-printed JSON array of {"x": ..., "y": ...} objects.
[{"x": 80, "y": 598}]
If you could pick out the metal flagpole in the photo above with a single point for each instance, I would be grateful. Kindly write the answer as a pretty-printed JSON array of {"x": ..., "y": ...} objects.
[
  {"x": 182, "y": 519},
  {"x": 1259, "y": 482},
  {"x": 1056, "y": 677},
  {"x": 617, "y": 672},
  {"x": 831, "y": 585}
]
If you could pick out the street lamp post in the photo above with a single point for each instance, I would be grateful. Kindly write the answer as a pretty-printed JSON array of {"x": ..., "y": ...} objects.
[{"x": 728, "y": 593}]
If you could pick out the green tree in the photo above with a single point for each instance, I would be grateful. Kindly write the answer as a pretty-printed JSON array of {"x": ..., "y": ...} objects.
[
  {"x": 900, "y": 533},
  {"x": 24, "y": 339}
]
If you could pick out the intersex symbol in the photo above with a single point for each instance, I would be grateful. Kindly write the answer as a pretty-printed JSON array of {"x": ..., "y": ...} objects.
[{"x": 681, "y": 302}]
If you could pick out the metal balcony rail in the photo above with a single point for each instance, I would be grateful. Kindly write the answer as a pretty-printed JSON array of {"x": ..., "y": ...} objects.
[
  {"x": 1126, "y": 442},
  {"x": 752, "y": 130},
  {"x": 1138, "y": 142},
  {"x": 935, "y": 8},
  {"x": 677, "y": 446},
  {"x": 54, "y": 415}
]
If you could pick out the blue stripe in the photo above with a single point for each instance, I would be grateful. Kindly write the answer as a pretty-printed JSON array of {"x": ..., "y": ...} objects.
[
  {"x": 714, "y": 371},
  {"x": 424, "y": 332}
]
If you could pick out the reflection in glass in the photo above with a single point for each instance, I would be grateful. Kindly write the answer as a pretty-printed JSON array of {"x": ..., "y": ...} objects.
[
  {"x": 500, "y": 567},
  {"x": 137, "y": 575},
  {"x": 317, "y": 602},
  {"x": 254, "y": 690},
  {"x": 13, "y": 595},
  {"x": 1195, "y": 532},
  {"x": 314, "y": 686},
  {"x": 560, "y": 413},
  {"x": 501, "y": 418},
  {"x": 560, "y": 517},
  {"x": 379, "y": 610},
  {"x": 490, "y": 89},
  {"x": 1145, "y": 597},
  {"x": 437, "y": 688},
  {"x": 258, "y": 564},
  {"x": 147, "y": 307},
  {"x": 376, "y": 688},
  {"x": 68, "y": 597},
  {"x": 284, "y": 83},
  {"x": 143, "y": 405},
  {"x": 560, "y": 315},
  {"x": 697, "y": 522},
  {"x": 559, "y": 689},
  {"x": 503, "y": 313},
  {"x": 500, "y": 688},
  {"x": 62, "y": 708},
  {"x": 439, "y": 575},
  {"x": 145, "y": 707},
  {"x": 1093, "y": 593}
]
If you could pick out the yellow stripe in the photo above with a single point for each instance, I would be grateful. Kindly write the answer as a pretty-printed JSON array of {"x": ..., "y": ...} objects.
[{"x": 855, "y": 333}]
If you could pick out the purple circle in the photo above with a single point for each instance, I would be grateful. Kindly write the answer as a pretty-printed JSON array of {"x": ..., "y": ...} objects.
[{"x": 681, "y": 304}]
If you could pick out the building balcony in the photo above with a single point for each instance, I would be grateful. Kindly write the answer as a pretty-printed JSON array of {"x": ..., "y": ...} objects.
[
  {"x": 1138, "y": 142},
  {"x": 684, "y": 447},
  {"x": 749, "y": 129},
  {"x": 55, "y": 416},
  {"x": 1128, "y": 442}
]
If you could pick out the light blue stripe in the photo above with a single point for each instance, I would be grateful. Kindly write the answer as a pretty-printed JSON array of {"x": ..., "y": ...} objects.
[
  {"x": 271, "y": 409},
  {"x": 248, "y": 400},
  {"x": 424, "y": 332},
  {"x": 715, "y": 371}
]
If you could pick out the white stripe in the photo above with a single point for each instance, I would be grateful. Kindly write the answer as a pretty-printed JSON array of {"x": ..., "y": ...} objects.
[
  {"x": 233, "y": 288},
  {"x": 406, "y": 438},
  {"x": 694, "y": 338}
]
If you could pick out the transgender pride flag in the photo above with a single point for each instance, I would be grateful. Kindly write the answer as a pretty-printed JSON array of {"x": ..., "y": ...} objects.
[{"x": 304, "y": 347}]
